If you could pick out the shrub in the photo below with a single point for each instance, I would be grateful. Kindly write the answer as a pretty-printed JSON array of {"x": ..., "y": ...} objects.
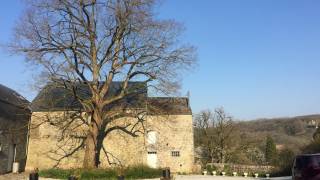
[
  {"x": 136, "y": 172},
  {"x": 98, "y": 173},
  {"x": 209, "y": 168},
  {"x": 142, "y": 171},
  {"x": 56, "y": 173},
  {"x": 227, "y": 169}
]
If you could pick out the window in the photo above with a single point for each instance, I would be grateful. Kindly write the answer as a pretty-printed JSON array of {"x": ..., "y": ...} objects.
[
  {"x": 152, "y": 137},
  {"x": 175, "y": 153},
  {"x": 152, "y": 152}
]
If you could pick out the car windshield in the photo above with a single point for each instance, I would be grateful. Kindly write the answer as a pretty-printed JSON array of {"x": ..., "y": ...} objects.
[{"x": 308, "y": 161}]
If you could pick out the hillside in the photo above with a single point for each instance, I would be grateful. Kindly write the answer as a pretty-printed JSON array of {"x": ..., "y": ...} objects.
[{"x": 292, "y": 132}]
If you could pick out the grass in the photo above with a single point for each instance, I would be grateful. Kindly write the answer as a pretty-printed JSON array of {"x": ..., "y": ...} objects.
[
  {"x": 136, "y": 172},
  {"x": 56, "y": 173}
]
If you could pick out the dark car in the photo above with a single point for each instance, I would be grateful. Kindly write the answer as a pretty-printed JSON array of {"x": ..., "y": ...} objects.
[{"x": 306, "y": 167}]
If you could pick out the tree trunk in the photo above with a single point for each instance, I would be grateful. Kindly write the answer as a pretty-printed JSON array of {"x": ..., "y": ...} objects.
[
  {"x": 94, "y": 142},
  {"x": 90, "y": 151},
  {"x": 99, "y": 147}
]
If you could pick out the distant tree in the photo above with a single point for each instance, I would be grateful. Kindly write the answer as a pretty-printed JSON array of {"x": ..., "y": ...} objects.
[
  {"x": 255, "y": 155},
  {"x": 204, "y": 136},
  {"x": 215, "y": 132},
  {"x": 245, "y": 149},
  {"x": 284, "y": 162},
  {"x": 294, "y": 127},
  {"x": 285, "y": 158},
  {"x": 271, "y": 151},
  {"x": 316, "y": 135},
  {"x": 314, "y": 145}
]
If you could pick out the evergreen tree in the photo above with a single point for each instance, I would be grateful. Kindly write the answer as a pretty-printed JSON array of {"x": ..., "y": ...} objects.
[{"x": 271, "y": 151}]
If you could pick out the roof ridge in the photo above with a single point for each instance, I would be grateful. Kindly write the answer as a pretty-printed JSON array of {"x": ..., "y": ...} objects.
[{"x": 172, "y": 97}]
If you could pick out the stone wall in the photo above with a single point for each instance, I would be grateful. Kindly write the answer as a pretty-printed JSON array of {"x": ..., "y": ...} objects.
[{"x": 173, "y": 133}]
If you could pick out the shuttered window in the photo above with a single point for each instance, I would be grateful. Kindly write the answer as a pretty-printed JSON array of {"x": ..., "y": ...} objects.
[{"x": 175, "y": 153}]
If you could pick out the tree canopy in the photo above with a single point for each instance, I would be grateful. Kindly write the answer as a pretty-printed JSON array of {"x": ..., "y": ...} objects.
[{"x": 97, "y": 42}]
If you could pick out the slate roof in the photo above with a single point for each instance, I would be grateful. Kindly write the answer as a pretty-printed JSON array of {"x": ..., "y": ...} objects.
[
  {"x": 12, "y": 105},
  {"x": 169, "y": 105},
  {"x": 55, "y": 98}
]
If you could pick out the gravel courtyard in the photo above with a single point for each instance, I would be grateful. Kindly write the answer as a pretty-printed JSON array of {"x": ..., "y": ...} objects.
[
  {"x": 24, "y": 176},
  {"x": 201, "y": 177},
  {"x": 21, "y": 176}
]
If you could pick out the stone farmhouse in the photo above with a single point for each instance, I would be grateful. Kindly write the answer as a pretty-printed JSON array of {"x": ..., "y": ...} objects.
[
  {"x": 14, "y": 120},
  {"x": 167, "y": 141}
]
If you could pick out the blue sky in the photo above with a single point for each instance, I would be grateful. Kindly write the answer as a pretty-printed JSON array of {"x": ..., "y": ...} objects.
[{"x": 257, "y": 58}]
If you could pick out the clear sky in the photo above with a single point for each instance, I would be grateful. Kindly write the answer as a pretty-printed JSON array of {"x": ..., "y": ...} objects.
[{"x": 257, "y": 58}]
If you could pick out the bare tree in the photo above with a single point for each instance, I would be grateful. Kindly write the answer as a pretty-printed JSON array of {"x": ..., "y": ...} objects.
[
  {"x": 96, "y": 42},
  {"x": 215, "y": 133}
]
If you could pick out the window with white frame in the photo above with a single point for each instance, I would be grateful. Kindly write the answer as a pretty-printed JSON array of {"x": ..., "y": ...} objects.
[
  {"x": 152, "y": 137},
  {"x": 175, "y": 153}
]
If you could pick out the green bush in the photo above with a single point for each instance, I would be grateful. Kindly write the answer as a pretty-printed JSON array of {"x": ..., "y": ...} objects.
[
  {"x": 136, "y": 172},
  {"x": 209, "y": 168},
  {"x": 98, "y": 174},
  {"x": 227, "y": 169},
  {"x": 142, "y": 172},
  {"x": 56, "y": 173}
]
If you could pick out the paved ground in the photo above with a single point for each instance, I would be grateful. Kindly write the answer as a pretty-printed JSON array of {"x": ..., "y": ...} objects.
[
  {"x": 201, "y": 177},
  {"x": 21, "y": 176},
  {"x": 24, "y": 176}
]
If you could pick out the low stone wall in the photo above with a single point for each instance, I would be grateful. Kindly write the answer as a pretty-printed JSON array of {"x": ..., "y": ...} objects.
[{"x": 240, "y": 167}]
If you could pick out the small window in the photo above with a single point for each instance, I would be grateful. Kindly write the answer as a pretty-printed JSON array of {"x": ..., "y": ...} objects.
[
  {"x": 175, "y": 153},
  {"x": 152, "y": 137},
  {"x": 152, "y": 152}
]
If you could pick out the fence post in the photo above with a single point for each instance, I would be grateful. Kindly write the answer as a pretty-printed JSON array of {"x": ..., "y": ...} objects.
[
  {"x": 121, "y": 177},
  {"x": 33, "y": 176},
  {"x": 166, "y": 173}
]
